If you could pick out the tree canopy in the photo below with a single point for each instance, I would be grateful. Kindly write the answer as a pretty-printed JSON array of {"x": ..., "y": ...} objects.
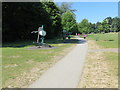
[
  {"x": 107, "y": 25},
  {"x": 21, "y": 18},
  {"x": 65, "y": 6},
  {"x": 84, "y": 26},
  {"x": 69, "y": 22}
]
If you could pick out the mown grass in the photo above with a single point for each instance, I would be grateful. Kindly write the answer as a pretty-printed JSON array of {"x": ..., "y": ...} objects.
[
  {"x": 109, "y": 60},
  {"x": 107, "y": 40},
  {"x": 15, "y": 59}
]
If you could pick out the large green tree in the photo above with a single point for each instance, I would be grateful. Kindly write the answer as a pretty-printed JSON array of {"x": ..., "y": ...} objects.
[
  {"x": 65, "y": 6},
  {"x": 109, "y": 20},
  {"x": 69, "y": 22},
  {"x": 20, "y": 18},
  {"x": 84, "y": 26},
  {"x": 105, "y": 26},
  {"x": 98, "y": 27},
  {"x": 55, "y": 18},
  {"x": 116, "y": 24}
]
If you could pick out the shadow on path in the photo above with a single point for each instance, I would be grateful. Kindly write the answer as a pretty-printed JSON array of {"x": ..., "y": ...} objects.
[{"x": 75, "y": 41}]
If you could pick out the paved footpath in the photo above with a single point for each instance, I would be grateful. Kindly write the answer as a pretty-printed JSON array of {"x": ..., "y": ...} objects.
[{"x": 66, "y": 72}]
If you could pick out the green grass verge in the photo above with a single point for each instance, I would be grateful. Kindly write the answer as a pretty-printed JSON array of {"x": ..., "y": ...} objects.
[
  {"x": 102, "y": 65},
  {"x": 16, "y": 60},
  {"x": 107, "y": 40}
]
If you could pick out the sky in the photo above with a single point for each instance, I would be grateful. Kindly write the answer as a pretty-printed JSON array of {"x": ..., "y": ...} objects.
[
  {"x": 86, "y": 0},
  {"x": 95, "y": 11}
]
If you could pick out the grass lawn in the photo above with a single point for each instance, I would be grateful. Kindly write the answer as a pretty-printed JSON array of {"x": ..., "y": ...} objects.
[
  {"x": 19, "y": 60},
  {"x": 101, "y": 68},
  {"x": 107, "y": 40}
]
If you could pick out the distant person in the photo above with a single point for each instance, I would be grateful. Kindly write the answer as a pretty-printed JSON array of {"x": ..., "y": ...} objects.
[
  {"x": 78, "y": 34},
  {"x": 84, "y": 36}
]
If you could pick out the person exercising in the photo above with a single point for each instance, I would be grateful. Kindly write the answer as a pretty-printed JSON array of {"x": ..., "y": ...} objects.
[{"x": 84, "y": 36}]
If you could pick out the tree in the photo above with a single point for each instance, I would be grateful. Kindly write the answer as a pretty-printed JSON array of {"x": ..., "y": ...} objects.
[
  {"x": 69, "y": 22},
  {"x": 55, "y": 18},
  {"x": 106, "y": 26},
  {"x": 97, "y": 27},
  {"x": 116, "y": 24},
  {"x": 109, "y": 24},
  {"x": 92, "y": 28},
  {"x": 64, "y": 7},
  {"x": 20, "y": 18},
  {"x": 109, "y": 20},
  {"x": 84, "y": 26},
  {"x": 100, "y": 28}
]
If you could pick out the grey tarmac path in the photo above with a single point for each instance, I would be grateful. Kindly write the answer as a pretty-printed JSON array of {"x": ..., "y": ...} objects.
[{"x": 66, "y": 72}]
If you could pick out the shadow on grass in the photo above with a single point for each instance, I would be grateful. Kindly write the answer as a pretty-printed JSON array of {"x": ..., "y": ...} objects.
[
  {"x": 108, "y": 40},
  {"x": 18, "y": 44},
  {"x": 22, "y": 44}
]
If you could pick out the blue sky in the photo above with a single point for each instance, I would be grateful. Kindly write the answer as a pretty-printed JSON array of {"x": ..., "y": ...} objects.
[
  {"x": 86, "y": 0},
  {"x": 95, "y": 11}
]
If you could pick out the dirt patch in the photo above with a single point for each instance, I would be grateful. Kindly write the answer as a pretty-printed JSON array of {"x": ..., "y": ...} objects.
[
  {"x": 11, "y": 65},
  {"x": 92, "y": 45}
]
